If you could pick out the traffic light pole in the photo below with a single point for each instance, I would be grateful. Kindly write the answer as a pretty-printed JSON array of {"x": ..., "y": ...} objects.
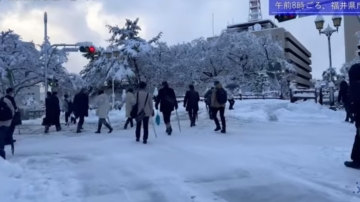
[{"x": 48, "y": 56}]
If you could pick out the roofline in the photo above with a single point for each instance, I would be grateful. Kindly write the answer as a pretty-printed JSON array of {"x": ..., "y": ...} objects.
[{"x": 251, "y": 23}]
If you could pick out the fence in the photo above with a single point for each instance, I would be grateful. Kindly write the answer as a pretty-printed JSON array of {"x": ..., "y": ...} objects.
[
  {"x": 323, "y": 95},
  {"x": 242, "y": 97}
]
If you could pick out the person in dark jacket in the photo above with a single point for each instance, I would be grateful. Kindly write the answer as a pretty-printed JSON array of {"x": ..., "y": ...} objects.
[
  {"x": 354, "y": 81},
  {"x": 191, "y": 103},
  {"x": 68, "y": 108},
  {"x": 81, "y": 108},
  {"x": 207, "y": 97},
  {"x": 52, "y": 111},
  {"x": 16, "y": 119},
  {"x": 167, "y": 100},
  {"x": 218, "y": 107},
  {"x": 344, "y": 98}
]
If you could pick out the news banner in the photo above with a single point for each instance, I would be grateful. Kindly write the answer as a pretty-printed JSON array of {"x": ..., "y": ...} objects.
[{"x": 320, "y": 7}]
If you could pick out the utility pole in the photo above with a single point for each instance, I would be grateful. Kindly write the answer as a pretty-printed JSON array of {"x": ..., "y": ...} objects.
[{"x": 46, "y": 56}]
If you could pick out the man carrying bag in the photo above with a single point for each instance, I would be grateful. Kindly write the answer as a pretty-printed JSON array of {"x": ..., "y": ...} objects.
[{"x": 142, "y": 111}]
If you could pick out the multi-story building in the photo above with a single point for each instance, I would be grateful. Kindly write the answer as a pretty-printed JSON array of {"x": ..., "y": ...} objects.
[
  {"x": 33, "y": 91},
  {"x": 295, "y": 52}
]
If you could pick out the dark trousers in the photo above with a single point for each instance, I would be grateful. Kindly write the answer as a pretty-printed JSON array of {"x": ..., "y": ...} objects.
[
  {"x": 67, "y": 116},
  {"x": 349, "y": 114},
  {"x": 10, "y": 138},
  {"x": 192, "y": 115},
  {"x": 166, "y": 116},
  {"x": 221, "y": 110},
  {"x": 145, "y": 123},
  {"x": 81, "y": 122},
  {"x": 209, "y": 109},
  {"x": 355, "y": 154},
  {"x": 102, "y": 121},
  {"x": 129, "y": 120},
  {"x": 4, "y": 130},
  {"x": 231, "y": 102}
]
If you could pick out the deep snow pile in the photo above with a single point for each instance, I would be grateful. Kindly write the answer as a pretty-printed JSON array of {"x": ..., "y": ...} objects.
[
  {"x": 10, "y": 178},
  {"x": 283, "y": 111}
]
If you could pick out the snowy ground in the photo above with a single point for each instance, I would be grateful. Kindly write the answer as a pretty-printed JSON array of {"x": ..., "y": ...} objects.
[{"x": 274, "y": 151}]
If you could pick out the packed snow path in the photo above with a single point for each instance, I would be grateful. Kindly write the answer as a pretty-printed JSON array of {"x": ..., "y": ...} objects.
[{"x": 274, "y": 151}]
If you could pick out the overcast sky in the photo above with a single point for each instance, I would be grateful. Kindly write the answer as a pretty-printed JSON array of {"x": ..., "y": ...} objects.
[{"x": 181, "y": 20}]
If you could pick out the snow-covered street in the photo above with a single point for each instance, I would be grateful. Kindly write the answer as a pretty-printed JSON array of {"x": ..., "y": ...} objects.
[{"x": 273, "y": 151}]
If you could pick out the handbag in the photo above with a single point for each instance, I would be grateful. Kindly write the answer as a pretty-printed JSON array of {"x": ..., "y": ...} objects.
[
  {"x": 138, "y": 116},
  {"x": 17, "y": 119}
]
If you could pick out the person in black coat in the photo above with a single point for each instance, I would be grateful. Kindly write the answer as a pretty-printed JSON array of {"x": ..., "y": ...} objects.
[
  {"x": 81, "y": 108},
  {"x": 354, "y": 81},
  {"x": 167, "y": 100},
  {"x": 344, "y": 98},
  {"x": 191, "y": 103},
  {"x": 52, "y": 111},
  {"x": 207, "y": 98}
]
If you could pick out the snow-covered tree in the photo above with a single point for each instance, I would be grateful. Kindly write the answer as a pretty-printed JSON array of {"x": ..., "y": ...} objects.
[{"x": 19, "y": 65}]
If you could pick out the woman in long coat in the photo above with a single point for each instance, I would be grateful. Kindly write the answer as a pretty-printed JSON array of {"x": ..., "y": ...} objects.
[
  {"x": 130, "y": 101},
  {"x": 103, "y": 104}
]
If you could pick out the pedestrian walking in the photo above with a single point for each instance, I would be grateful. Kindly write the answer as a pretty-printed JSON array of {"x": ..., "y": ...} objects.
[
  {"x": 167, "y": 100},
  {"x": 52, "y": 112},
  {"x": 207, "y": 98},
  {"x": 344, "y": 98},
  {"x": 129, "y": 103},
  {"x": 144, "y": 110},
  {"x": 218, "y": 102},
  {"x": 7, "y": 113},
  {"x": 9, "y": 139},
  {"x": 231, "y": 99},
  {"x": 354, "y": 81},
  {"x": 191, "y": 103},
  {"x": 81, "y": 108},
  {"x": 67, "y": 108},
  {"x": 103, "y": 104}
]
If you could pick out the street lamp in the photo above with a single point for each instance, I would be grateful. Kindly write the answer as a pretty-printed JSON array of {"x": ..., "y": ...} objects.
[{"x": 328, "y": 31}]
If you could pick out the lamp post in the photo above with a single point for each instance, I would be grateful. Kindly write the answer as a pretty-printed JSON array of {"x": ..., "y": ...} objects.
[{"x": 328, "y": 31}]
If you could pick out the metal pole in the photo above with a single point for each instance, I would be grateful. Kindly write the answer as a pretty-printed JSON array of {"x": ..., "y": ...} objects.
[
  {"x": 46, "y": 56},
  {"x": 113, "y": 92},
  {"x": 330, "y": 59}
]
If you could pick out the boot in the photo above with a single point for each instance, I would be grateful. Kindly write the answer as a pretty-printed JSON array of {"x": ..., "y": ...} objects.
[
  {"x": 352, "y": 164},
  {"x": 46, "y": 129},
  {"x": 58, "y": 128},
  {"x": 144, "y": 141},
  {"x": 217, "y": 128},
  {"x": 78, "y": 130},
  {"x": 223, "y": 130},
  {"x": 99, "y": 128},
  {"x": 108, "y": 126}
]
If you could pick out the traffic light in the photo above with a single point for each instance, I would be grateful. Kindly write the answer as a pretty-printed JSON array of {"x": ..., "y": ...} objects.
[
  {"x": 87, "y": 49},
  {"x": 53, "y": 82},
  {"x": 283, "y": 18}
]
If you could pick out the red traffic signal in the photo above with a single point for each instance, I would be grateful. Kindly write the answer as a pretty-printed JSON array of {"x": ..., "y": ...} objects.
[
  {"x": 283, "y": 18},
  {"x": 87, "y": 49}
]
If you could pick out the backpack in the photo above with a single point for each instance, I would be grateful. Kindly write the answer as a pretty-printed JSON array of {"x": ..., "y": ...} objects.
[
  {"x": 5, "y": 111},
  {"x": 221, "y": 96}
]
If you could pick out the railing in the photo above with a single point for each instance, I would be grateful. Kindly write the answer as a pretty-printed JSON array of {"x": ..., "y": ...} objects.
[
  {"x": 321, "y": 95},
  {"x": 241, "y": 97}
]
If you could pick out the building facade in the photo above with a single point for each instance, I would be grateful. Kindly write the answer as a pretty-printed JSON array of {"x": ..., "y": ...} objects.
[
  {"x": 351, "y": 26},
  {"x": 295, "y": 52},
  {"x": 33, "y": 91}
]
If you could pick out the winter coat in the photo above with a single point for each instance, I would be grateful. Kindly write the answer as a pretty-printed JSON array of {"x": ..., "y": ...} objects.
[
  {"x": 67, "y": 105},
  {"x": 81, "y": 104},
  {"x": 12, "y": 100},
  {"x": 129, "y": 103},
  {"x": 148, "y": 106},
  {"x": 9, "y": 104},
  {"x": 214, "y": 102},
  {"x": 103, "y": 104},
  {"x": 167, "y": 100},
  {"x": 230, "y": 96},
  {"x": 191, "y": 100},
  {"x": 207, "y": 97},
  {"x": 52, "y": 110},
  {"x": 344, "y": 93}
]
